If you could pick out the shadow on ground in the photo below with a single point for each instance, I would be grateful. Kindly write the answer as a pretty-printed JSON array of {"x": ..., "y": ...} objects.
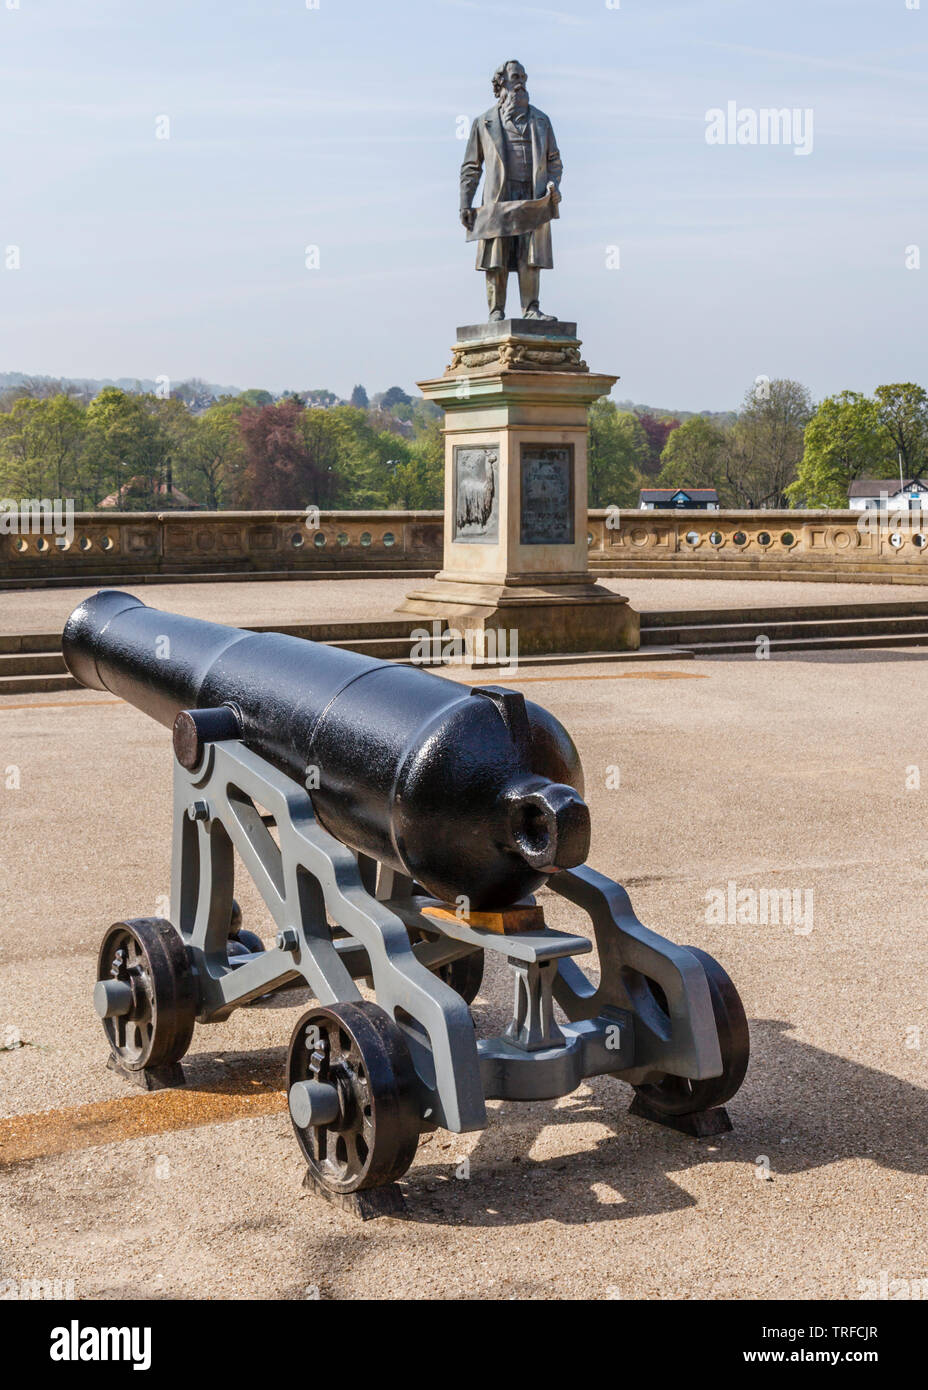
[{"x": 801, "y": 1108}]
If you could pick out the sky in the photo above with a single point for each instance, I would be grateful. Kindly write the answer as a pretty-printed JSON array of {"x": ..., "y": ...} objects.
[{"x": 691, "y": 268}]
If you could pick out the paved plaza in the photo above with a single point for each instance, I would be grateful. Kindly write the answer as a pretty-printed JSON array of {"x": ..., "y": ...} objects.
[{"x": 791, "y": 773}]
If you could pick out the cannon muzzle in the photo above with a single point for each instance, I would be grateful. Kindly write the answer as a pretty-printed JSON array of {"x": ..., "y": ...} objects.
[{"x": 472, "y": 792}]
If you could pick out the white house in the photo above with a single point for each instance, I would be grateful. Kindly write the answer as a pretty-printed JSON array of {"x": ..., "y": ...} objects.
[{"x": 887, "y": 494}]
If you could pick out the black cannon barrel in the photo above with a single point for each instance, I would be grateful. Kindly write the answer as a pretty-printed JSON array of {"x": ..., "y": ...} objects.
[{"x": 472, "y": 792}]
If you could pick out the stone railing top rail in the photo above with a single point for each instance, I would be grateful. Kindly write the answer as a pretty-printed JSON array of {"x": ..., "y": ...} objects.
[
  {"x": 126, "y": 518},
  {"x": 642, "y": 515}
]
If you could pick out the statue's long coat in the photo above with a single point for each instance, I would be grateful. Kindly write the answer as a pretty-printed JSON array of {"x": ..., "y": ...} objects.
[{"x": 486, "y": 152}]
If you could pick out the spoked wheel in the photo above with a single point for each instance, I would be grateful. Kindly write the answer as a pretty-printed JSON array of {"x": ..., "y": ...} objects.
[
  {"x": 678, "y": 1095},
  {"x": 145, "y": 993},
  {"x": 353, "y": 1096}
]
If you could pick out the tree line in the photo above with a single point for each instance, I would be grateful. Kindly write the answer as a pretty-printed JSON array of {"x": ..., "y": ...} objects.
[
  {"x": 137, "y": 450},
  {"x": 779, "y": 450}
]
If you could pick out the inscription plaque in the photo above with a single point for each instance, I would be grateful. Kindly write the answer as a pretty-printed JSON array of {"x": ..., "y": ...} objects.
[
  {"x": 547, "y": 506},
  {"x": 476, "y": 493}
]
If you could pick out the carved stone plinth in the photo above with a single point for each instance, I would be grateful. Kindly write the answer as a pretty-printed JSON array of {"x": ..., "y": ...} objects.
[
  {"x": 526, "y": 345},
  {"x": 516, "y": 537}
]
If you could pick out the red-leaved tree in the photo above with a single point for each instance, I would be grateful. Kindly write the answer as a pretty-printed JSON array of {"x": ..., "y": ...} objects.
[
  {"x": 657, "y": 431},
  {"x": 291, "y": 457}
]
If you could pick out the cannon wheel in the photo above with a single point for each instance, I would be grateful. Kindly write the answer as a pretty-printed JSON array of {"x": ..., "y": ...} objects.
[
  {"x": 240, "y": 938},
  {"x": 465, "y": 975},
  {"x": 359, "y": 1050},
  {"x": 148, "y": 954},
  {"x": 678, "y": 1095}
]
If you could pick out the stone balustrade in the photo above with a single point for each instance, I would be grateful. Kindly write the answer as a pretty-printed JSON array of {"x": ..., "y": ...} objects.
[
  {"x": 110, "y": 544},
  {"x": 746, "y": 544},
  {"x": 762, "y": 544}
]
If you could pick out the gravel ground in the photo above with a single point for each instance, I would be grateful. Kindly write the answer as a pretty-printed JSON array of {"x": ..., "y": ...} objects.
[{"x": 785, "y": 773}]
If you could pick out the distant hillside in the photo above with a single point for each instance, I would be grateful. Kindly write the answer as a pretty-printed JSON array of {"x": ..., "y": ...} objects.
[
  {"x": 92, "y": 385},
  {"x": 203, "y": 391},
  {"x": 724, "y": 417}
]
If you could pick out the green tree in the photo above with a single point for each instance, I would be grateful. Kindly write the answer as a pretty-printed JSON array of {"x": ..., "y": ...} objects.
[
  {"x": 844, "y": 440},
  {"x": 41, "y": 442},
  {"x": 767, "y": 443},
  {"x": 126, "y": 440},
  {"x": 416, "y": 482},
  {"x": 618, "y": 451},
  {"x": 211, "y": 457},
  {"x": 694, "y": 456},
  {"x": 903, "y": 409}
]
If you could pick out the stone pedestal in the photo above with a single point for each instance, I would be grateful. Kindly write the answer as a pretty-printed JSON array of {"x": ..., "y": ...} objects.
[{"x": 515, "y": 399}]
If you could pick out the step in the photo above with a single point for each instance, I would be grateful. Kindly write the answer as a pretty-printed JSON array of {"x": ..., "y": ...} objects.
[
  {"x": 787, "y": 612},
  {"x": 48, "y": 663},
  {"x": 884, "y": 574},
  {"x": 33, "y": 685},
  {"x": 914, "y": 626},
  {"x": 386, "y": 648},
  {"x": 344, "y": 631},
  {"x": 16, "y": 642},
  {"x": 117, "y": 577},
  {"x": 807, "y": 644}
]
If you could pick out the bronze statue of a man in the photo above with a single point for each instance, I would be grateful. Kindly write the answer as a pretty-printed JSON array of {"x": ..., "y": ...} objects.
[{"x": 514, "y": 146}]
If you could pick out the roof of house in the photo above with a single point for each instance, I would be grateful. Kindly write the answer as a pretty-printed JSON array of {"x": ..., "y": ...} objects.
[
  {"x": 872, "y": 487},
  {"x": 663, "y": 494},
  {"x": 174, "y": 498}
]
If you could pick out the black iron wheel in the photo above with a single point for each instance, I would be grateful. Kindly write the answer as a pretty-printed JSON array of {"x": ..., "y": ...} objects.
[
  {"x": 365, "y": 1132},
  {"x": 678, "y": 1095},
  {"x": 464, "y": 974},
  {"x": 241, "y": 940},
  {"x": 145, "y": 993}
]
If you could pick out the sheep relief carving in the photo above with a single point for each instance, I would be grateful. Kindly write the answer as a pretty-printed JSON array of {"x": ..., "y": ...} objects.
[{"x": 476, "y": 493}]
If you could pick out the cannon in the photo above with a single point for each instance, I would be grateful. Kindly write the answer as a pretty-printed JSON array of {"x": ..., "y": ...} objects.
[{"x": 397, "y": 825}]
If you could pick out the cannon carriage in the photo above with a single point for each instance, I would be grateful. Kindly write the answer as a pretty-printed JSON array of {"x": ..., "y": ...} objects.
[{"x": 397, "y": 826}]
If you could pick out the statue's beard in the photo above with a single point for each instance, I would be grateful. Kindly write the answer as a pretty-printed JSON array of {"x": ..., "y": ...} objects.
[{"x": 514, "y": 101}]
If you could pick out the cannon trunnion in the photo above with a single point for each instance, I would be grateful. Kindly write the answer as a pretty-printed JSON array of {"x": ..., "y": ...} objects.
[{"x": 396, "y": 825}]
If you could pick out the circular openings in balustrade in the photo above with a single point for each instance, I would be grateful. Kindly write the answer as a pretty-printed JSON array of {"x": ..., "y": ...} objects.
[
  {"x": 589, "y": 537},
  {"x": 740, "y": 538},
  {"x": 896, "y": 541},
  {"x": 787, "y": 538},
  {"x": 692, "y": 537},
  {"x": 85, "y": 543},
  {"x": 20, "y": 545},
  {"x": 389, "y": 538},
  {"x": 920, "y": 541},
  {"x": 297, "y": 540},
  {"x": 342, "y": 538},
  {"x": 365, "y": 537},
  {"x": 763, "y": 538},
  {"x": 41, "y": 545},
  {"x": 107, "y": 543},
  {"x": 319, "y": 540},
  {"x": 716, "y": 538}
]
